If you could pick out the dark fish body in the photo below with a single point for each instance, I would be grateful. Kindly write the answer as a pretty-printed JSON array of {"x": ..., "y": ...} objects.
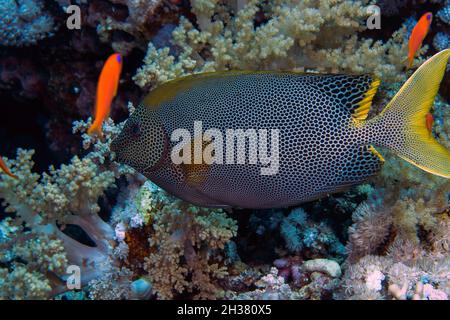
[{"x": 324, "y": 142}]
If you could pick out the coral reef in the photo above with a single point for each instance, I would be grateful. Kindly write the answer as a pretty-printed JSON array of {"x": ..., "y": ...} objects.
[
  {"x": 299, "y": 234},
  {"x": 370, "y": 229},
  {"x": 172, "y": 244},
  {"x": 126, "y": 24},
  {"x": 23, "y": 22},
  {"x": 377, "y": 277},
  {"x": 386, "y": 239},
  {"x": 43, "y": 206},
  {"x": 444, "y": 13},
  {"x": 315, "y": 285},
  {"x": 400, "y": 234},
  {"x": 441, "y": 41},
  {"x": 272, "y": 287},
  {"x": 296, "y": 36},
  {"x": 172, "y": 231}
]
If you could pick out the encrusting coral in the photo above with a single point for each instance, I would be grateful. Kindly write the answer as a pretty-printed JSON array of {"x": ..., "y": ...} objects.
[{"x": 125, "y": 24}]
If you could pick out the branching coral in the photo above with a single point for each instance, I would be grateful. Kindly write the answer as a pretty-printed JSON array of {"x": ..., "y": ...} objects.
[
  {"x": 300, "y": 234},
  {"x": 156, "y": 245},
  {"x": 184, "y": 243},
  {"x": 29, "y": 259},
  {"x": 114, "y": 283},
  {"x": 298, "y": 35},
  {"x": 396, "y": 245},
  {"x": 36, "y": 249}
]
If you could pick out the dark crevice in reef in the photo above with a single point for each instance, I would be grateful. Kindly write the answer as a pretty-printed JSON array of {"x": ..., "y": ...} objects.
[
  {"x": 77, "y": 233},
  {"x": 258, "y": 227},
  {"x": 22, "y": 125}
]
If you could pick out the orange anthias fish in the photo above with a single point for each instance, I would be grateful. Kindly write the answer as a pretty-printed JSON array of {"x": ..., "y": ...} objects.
[
  {"x": 106, "y": 91},
  {"x": 417, "y": 35},
  {"x": 5, "y": 169}
]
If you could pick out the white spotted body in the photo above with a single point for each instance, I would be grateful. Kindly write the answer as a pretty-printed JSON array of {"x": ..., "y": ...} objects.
[{"x": 325, "y": 141}]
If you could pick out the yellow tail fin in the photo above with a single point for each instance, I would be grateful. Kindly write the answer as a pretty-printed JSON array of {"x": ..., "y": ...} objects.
[{"x": 404, "y": 118}]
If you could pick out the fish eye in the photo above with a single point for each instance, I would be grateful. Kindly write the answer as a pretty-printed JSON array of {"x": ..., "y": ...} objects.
[
  {"x": 135, "y": 130},
  {"x": 429, "y": 16}
]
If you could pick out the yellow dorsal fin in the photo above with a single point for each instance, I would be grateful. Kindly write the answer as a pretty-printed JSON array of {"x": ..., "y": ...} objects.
[
  {"x": 168, "y": 90},
  {"x": 355, "y": 92},
  {"x": 363, "y": 108},
  {"x": 352, "y": 92}
]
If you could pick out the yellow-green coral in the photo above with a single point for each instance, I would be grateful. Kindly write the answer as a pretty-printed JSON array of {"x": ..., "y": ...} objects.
[
  {"x": 34, "y": 247},
  {"x": 73, "y": 188},
  {"x": 30, "y": 259},
  {"x": 311, "y": 35},
  {"x": 183, "y": 245}
]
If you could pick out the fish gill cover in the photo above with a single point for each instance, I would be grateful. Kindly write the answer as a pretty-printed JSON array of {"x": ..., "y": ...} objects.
[{"x": 76, "y": 224}]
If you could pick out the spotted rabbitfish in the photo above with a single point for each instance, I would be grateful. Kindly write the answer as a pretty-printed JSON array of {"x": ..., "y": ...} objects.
[{"x": 326, "y": 143}]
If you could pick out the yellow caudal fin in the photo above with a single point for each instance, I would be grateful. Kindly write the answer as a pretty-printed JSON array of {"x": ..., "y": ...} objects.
[{"x": 404, "y": 118}]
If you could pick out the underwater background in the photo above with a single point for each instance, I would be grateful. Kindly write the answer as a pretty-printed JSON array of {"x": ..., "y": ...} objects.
[{"x": 75, "y": 224}]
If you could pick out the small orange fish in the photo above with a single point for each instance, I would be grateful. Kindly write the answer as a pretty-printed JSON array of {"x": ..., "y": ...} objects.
[
  {"x": 5, "y": 169},
  {"x": 106, "y": 91},
  {"x": 417, "y": 35},
  {"x": 429, "y": 121}
]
